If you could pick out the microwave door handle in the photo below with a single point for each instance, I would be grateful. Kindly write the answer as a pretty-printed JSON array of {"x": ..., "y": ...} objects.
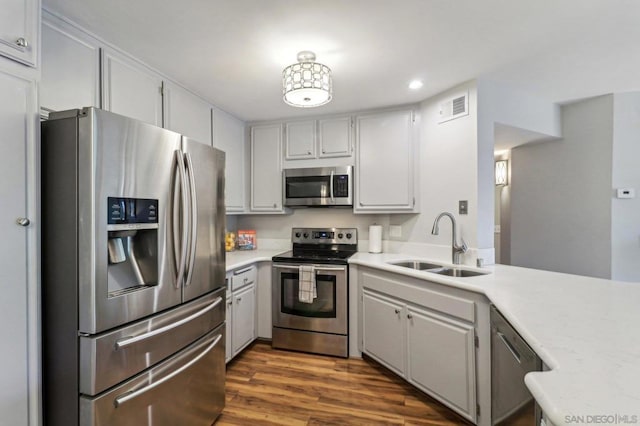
[
  {"x": 331, "y": 187},
  {"x": 176, "y": 219},
  {"x": 194, "y": 218}
]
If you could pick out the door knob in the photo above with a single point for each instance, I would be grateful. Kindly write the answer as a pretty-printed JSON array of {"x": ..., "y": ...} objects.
[
  {"x": 22, "y": 42},
  {"x": 23, "y": 221}
]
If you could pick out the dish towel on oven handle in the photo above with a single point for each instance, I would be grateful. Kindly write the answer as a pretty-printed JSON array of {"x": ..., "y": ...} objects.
[{"x": 307, "y": 290}]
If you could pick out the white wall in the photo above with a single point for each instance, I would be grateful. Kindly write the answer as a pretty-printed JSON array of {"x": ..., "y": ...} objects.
[
  {"x": 447, "y": 173},
  {"x": 625, "y": 213},
  {"x": 279, "y": 226},
  {"x": 502, "y": 105},
  {"x": 560, "y": 195}
]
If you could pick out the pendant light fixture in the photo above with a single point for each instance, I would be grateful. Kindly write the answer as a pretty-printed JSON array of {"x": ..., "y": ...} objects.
[{"x": 307, "y": 83}]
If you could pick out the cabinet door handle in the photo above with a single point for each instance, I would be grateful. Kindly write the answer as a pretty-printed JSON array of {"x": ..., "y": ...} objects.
[
  {"x": 239, "y": 299},
  {"x": 397, "y": 311},
  {"x": 275, "y": 205},
  {"x": 23, "y": 221},
  {"x": 308, "y": 152},
  {"x": 409, "y": 316},
  {"x": 22, "y": 42}
]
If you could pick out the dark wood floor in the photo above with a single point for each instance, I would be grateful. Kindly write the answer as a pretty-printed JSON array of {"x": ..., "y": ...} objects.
[{"x": 266, "y": 386}]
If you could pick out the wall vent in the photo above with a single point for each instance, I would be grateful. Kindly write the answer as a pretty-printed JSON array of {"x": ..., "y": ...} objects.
[{"x": 454, "y": 107}]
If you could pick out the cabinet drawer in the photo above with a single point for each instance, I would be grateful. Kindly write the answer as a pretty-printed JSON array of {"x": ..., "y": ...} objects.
[
  {"x": 423, "y": 296},
  {"x": 243, "y": 277},
  {"x": 109, "y": 358}
]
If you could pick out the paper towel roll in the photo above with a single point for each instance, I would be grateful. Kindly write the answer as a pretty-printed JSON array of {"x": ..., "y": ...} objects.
[{"x": 375, "y": 239}]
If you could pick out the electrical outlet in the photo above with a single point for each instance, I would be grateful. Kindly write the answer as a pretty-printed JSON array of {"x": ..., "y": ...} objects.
[
  {"x": 395, "y": 231},
  {"x": 463, "y": 207}
]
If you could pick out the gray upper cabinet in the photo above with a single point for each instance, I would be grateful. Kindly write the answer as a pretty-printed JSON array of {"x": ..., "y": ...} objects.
[
  {"x": 266, "y": 169},
  {"x": 186, "y": 113},
  {"x": 19, "y": 25},
  {"x": 316, "y": 140},
  {"x": 335, "y": 137},
  {"x": 229, "y": 136},
  {"x": 70, "y": 67},
  {"x": 131, "y": 89},
  {"x": 300, "y": 140},
  {"x": 385, "y": 158}
]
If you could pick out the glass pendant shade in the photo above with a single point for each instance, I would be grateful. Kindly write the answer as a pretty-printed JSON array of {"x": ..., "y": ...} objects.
[{"x": 307, "y": 83}]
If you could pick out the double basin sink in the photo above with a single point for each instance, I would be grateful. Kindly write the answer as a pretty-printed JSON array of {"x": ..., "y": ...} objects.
[{"x": 437, "y": 269}]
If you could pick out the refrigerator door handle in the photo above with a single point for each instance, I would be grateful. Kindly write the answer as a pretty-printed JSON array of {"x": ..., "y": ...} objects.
[
  {"x": 176, "y": 219},
  {"x": 131, "y": 395},
  {"x": 194, "y": 218},
  {"x": 134, "y": 339}
]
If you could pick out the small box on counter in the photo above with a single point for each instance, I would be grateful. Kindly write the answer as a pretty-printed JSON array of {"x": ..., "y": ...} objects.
[{"x": 247, "y": 239}]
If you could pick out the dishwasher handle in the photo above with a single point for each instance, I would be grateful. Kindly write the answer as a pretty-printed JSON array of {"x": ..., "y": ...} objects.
[{"x": 509, "y": 346}]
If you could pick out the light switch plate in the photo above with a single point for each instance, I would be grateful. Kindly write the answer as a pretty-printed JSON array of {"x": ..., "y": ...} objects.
[{"x": 463, "y": 207}]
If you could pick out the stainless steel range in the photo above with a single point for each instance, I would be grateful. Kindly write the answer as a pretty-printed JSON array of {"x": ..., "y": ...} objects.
[{"x": 310, "y": 291}]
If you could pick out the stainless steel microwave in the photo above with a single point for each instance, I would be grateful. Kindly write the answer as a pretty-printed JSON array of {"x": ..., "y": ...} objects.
[{"x": 318, "y": 187}]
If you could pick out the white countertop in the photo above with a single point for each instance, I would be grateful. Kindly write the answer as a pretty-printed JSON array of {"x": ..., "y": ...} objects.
[
  {"x": 239, "y": 258},
  {"x": 585, "y": 329}
]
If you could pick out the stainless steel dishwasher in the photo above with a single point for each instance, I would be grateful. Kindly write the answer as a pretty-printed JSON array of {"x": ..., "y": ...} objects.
[{"x": 511, "y": 360}]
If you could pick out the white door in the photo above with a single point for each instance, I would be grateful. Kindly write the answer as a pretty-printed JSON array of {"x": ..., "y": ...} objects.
[
  {"x": 384, "y": 163},
  {"x": 228, "y": 135},
  {"x": 70, "y": 68},
  {"x": 383, "y": 331},
  {"x": 17, "y": 127},
  {"x": 266, "y": 170},
  {"x": 187, "y": 114},
  {"x": 334, "y": 137},
  {"x": 243, "y": 323},
  {"x": 442, "y": 360},
  {"x": 130, "y": 89},
  {"x": 19, "y": 30},
  {"x": 300, "y": 140}
]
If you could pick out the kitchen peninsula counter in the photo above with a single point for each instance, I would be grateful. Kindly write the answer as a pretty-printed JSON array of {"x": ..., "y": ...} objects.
[{"x": 584, "y": 329}]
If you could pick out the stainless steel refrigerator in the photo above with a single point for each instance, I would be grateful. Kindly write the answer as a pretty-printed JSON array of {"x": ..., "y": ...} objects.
[{"x": 133, "y": 268}]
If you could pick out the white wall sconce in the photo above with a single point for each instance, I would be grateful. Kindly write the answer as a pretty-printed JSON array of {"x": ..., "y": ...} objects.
[{"x": 501, "y": 172}]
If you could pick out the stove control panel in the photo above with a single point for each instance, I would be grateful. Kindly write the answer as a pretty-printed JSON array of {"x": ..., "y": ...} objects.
[{"x": 324, "y": 235}]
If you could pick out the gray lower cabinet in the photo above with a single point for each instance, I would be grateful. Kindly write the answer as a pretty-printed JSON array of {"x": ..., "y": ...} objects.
[
  {"x": 425, "y": 336},
  {"x": 243, "y": 323},
  {"x": 441, "y": 359},
  {"x": 383, "y": 331}
]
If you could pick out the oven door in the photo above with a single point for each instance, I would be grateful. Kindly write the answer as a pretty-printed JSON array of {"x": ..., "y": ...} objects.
[{"x": 328, "y": 311}]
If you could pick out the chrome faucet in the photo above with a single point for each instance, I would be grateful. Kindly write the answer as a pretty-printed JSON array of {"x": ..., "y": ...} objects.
[{"x": 456, "y": 250}]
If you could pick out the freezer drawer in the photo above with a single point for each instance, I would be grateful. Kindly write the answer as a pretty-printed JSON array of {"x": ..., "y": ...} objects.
[
  {"x": 109, "y": 358},
  {"x": 186, "y": 389}
]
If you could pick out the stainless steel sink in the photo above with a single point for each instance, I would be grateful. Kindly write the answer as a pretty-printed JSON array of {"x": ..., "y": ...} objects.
[
  {"x": 416, "y": 264},
  {"x": 455, "y": 272}
]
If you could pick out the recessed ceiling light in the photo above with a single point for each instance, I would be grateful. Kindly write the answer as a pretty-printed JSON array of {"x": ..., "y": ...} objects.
[{"x": 415, "y": 84}]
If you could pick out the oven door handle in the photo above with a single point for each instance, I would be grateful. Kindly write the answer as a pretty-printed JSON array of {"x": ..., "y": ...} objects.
[
  {"x": 317, "y": 267},
  {"x": 322, "y": 268}
]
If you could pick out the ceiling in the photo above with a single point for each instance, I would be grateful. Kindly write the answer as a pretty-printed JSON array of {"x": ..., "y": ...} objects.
[{"x": 232, "y": 52}]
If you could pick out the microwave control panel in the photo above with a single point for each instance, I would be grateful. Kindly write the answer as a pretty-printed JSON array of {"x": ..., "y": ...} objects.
[{"x": 341, "y": 185}]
